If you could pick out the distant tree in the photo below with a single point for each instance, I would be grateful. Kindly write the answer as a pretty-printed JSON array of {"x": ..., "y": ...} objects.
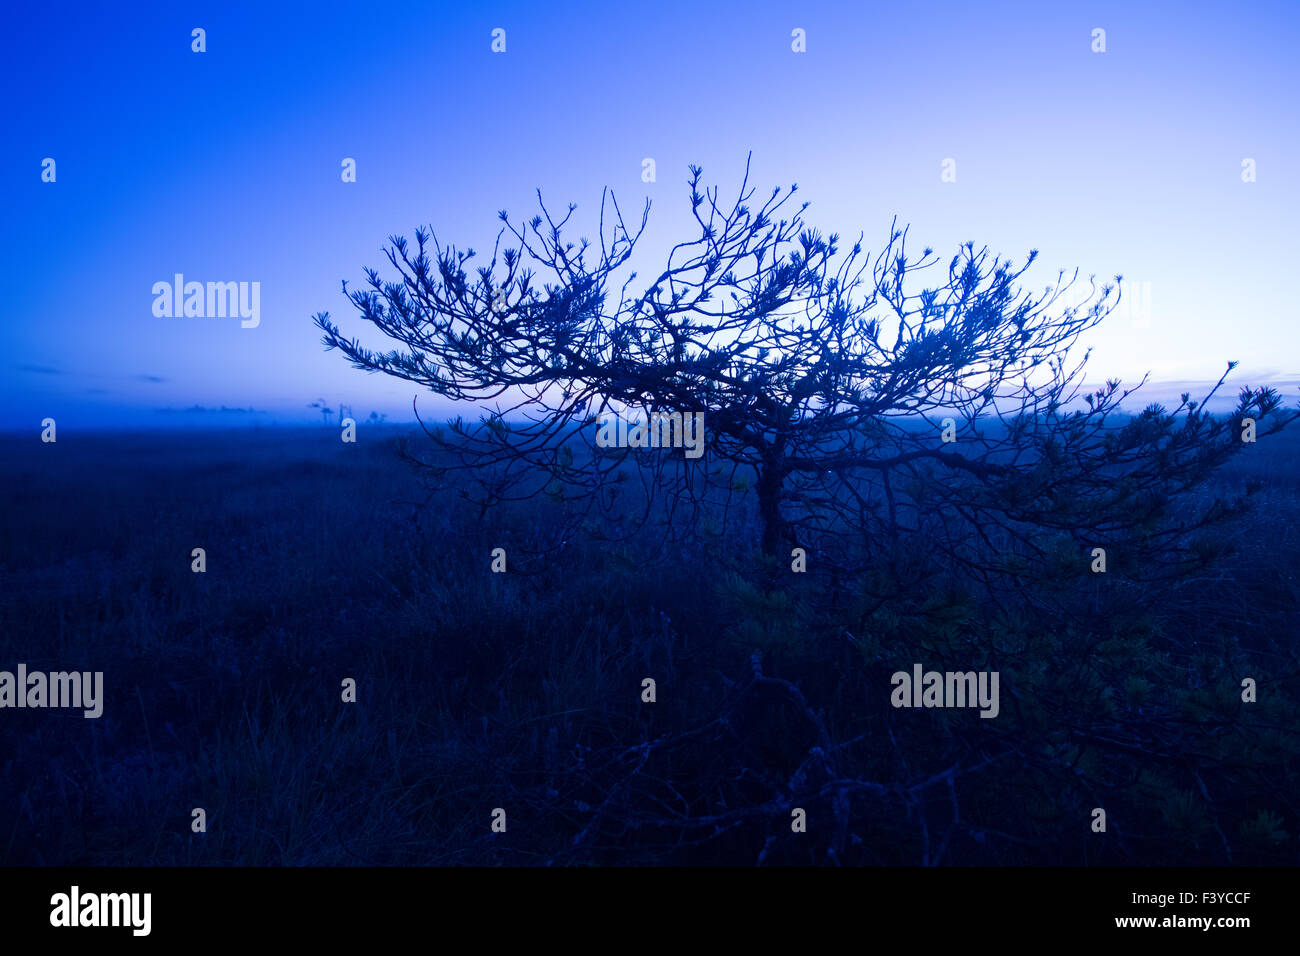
[
  {"x": 325, "y": 410},
  {"x": 825, "y": 375}
]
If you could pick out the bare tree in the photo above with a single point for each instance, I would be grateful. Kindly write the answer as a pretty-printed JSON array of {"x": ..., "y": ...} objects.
[{"x": 878, "y": 406}]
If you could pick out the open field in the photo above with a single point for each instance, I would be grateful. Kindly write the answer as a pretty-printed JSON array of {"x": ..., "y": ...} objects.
[{"x": 478, "y": 691}]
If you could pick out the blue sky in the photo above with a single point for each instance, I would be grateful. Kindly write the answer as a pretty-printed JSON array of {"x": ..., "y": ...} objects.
[{"x": 225, "y": 166}]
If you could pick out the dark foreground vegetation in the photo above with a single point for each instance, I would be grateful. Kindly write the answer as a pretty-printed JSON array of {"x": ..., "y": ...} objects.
[{"x": 523, "y": 690}]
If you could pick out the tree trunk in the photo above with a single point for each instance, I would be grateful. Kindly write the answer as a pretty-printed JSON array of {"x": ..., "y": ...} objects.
[{"x": 769, "y": 508}]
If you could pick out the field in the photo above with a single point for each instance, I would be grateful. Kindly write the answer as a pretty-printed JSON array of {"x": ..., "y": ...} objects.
[{"x": 523, "y": 692}]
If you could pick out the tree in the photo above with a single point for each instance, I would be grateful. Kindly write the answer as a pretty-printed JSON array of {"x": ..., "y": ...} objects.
[
  {"x": 918, "y": 425},
  {"x": 884, "y": 408},
  {"x": 325, "y": 410}
]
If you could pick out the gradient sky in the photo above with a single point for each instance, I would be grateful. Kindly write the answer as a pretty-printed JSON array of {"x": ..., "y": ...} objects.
[{"x": 225, "y": 166}]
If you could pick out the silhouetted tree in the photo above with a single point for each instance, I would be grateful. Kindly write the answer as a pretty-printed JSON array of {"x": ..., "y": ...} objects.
[
  {"x": 825, "y": 375},
  {"x": 920, "y": 426}
]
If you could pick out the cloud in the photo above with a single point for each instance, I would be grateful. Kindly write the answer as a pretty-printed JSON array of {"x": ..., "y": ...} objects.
[
  {"x": 150, "y": 378},
  {"x": 40, "y": 369}
]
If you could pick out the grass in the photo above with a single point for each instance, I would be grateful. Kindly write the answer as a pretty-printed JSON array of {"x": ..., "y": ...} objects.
[{"x": 476, "y": 690}]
